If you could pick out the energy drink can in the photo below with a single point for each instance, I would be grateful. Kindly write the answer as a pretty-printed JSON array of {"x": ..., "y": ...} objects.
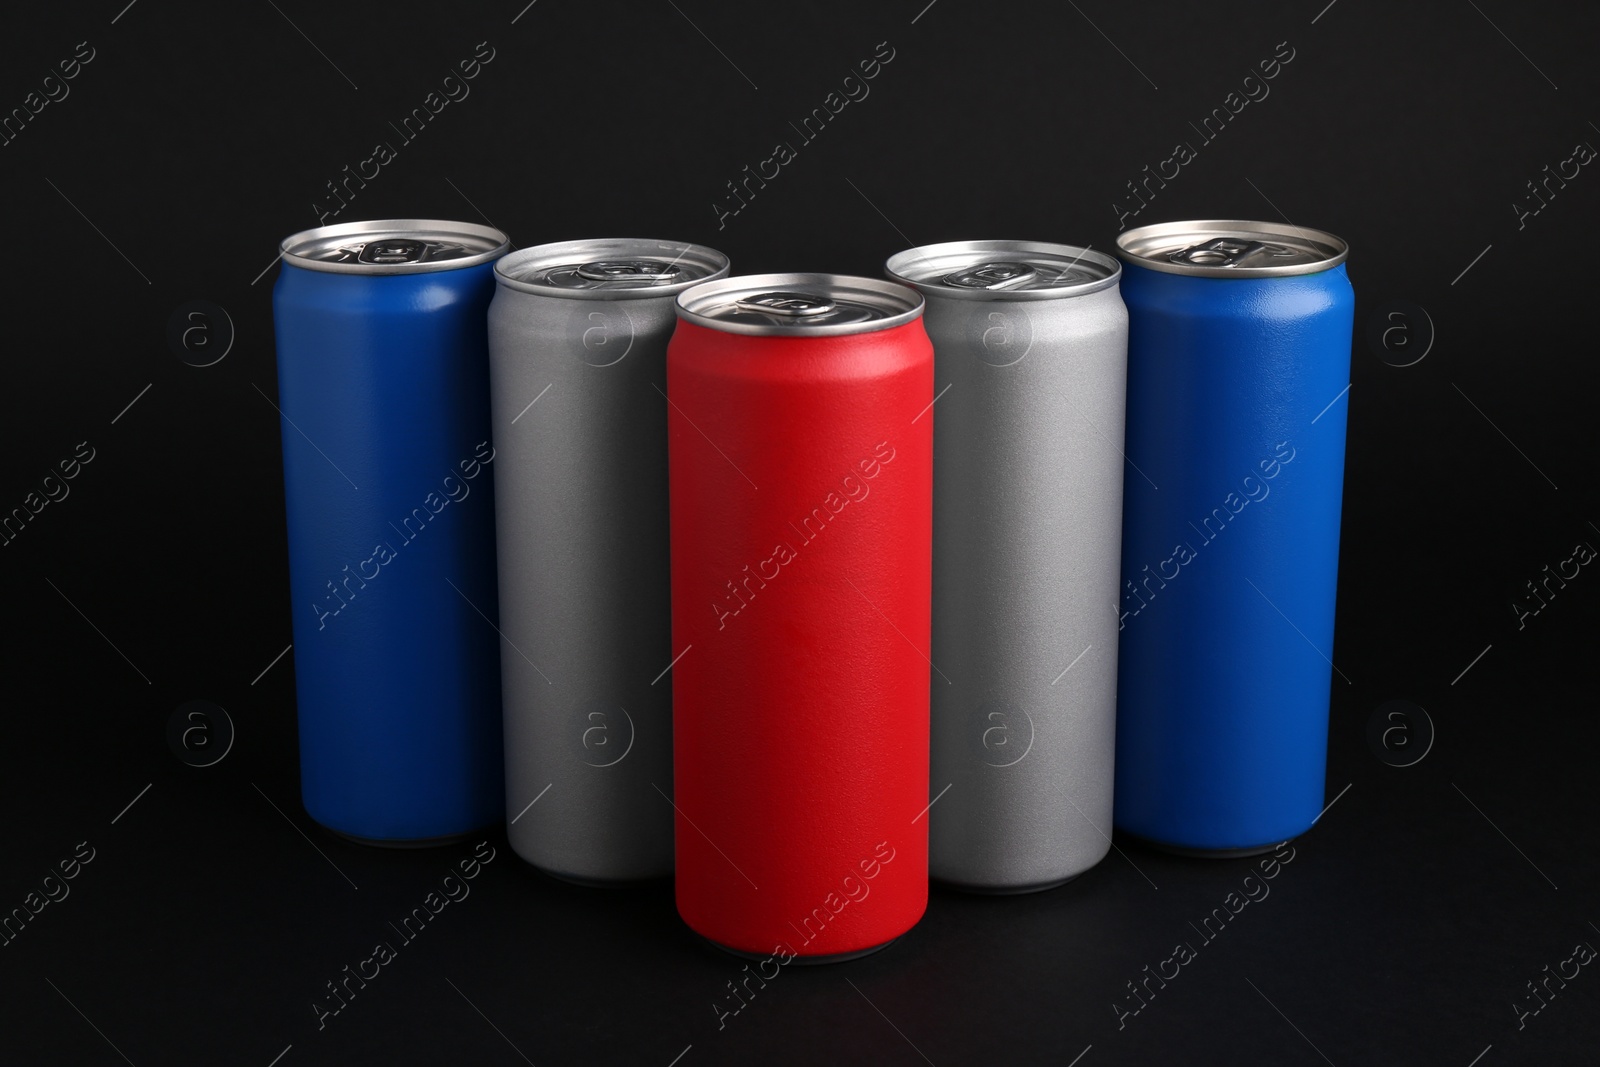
[
  {"x": 800, "y": 451},
  {"x": 1030, "y": 346},
  {"x": 1238, "y": 365},
  {"x": 578, "y": 367},
  {"x": 383, "y": 386}
]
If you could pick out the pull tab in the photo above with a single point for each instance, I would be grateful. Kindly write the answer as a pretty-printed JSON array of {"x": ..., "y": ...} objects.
[
  {"x": 393, "y": 250},
  {"x": 992, "y": 276},
  {"x": 790, "y": 305},
  {"x": 643, "y": 270},
  {"x": 1228, "y": 252}
]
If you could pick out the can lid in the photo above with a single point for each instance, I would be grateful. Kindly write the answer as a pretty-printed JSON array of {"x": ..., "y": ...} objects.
[
  {"x": 610, "y": 268},
  {"x": 1004, "y": 270},
  {"x": 800, "y": 305},
  {"x": 1231, "y": 248},
  {"x": 394, "y": 246}
]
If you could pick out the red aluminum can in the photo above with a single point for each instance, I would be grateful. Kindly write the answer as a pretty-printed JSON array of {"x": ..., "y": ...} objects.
[{"x": 800, "y": 446}]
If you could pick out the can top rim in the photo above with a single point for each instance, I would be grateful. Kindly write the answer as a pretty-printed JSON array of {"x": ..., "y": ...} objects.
[
  {"x": 422, "y": 246},
  {"x": 610, "y": 268},
  {"x": 1048, "y": 270},
  {"x": 800, "y": 305},
  {"x": 1232, "y": 248}
]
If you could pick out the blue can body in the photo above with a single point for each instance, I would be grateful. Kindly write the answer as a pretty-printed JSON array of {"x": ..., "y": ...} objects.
[
  {"x": 1229, "y": 568},
  {"x": 383, "y": 386}
]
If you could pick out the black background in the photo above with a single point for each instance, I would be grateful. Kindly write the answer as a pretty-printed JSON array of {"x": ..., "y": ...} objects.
[{"x": 1408, "y": 922}]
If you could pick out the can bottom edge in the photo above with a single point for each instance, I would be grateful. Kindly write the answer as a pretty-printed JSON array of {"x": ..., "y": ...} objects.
[
  {"x": 591, "y": 882},
  {"x": 837, "y": 957},
  {"x": 1005, "y": 890},
  {"x": 409, "y": 842},
  {"x": 1211, "y": 853}
]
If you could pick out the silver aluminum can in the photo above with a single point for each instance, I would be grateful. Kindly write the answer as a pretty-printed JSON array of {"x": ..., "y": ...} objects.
[
  {"x": 578, "y": 335},
  {"x": 1030, "y": 363}
]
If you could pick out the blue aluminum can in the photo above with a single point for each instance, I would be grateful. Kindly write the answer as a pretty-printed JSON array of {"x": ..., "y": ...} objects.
[
  {"x": 383, "y": 385},
  {"x": 1238, "y": 364}
]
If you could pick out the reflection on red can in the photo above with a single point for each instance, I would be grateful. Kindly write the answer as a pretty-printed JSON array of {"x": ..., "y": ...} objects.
[{"x": 800, "y": 453}]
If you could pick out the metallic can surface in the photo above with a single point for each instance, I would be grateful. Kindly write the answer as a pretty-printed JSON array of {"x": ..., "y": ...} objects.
[
  {"x": 383, "y": 387},
  {"x": 1239, "y": 359},
  {"x": 801, "y": 565},
  {"x": 578, "y": 347},
  {"x": 1030, "y": 348}
]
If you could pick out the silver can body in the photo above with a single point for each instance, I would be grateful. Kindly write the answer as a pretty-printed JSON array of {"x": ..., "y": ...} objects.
[
  {"x": 1028, "y": 473},
  {"x": 578, "y": 336}
]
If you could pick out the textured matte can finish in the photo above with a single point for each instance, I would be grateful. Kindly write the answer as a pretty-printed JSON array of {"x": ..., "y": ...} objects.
[
  {"x": 383, "y": 384},
  {"x": 1027, "y": 529},
  {"x": 580, "y": 433},
  {"x": 801, "y": 565},
  {"x": 1235, "y": 411}
]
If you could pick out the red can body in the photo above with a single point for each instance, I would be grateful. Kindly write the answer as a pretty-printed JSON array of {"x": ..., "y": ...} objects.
[{"x": 801, "y": 523}]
